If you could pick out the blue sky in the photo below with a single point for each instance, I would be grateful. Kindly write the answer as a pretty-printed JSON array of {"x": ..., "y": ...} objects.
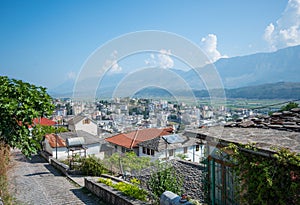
[{"x": 45, "y": 42}]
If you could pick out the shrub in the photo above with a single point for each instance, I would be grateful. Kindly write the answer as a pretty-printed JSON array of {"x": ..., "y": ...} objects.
[
  {"x": 92, "y": 166},
  {"x": 132, "y": 190},
  {"x": 165, "y": 179}
]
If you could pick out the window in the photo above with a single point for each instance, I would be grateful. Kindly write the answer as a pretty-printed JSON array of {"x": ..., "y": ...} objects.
[
  {"x": 185, "y": 150},
  {"x": 86, "y": 121},
  {"x": 171, "y": 152},
  {"x": 197, "y": 147},
  {"x": 148, "y": 151},
  {"x": 123, "y": 150}
]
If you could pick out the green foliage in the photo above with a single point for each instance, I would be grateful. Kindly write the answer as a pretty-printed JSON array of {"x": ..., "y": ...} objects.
[
  {"x": 20, "y": 103},
  {"x": 92, "y": 166},
  {"x": 40, "y": 131},
  {"x": 289, "y": 106},
  {"x": 195, "y": 202},
  {"x": 108, "y": 182},
  {"x": 128, "y": 189},
  {"x": 129, "y": 161},
  {"x": 181, "y": 156},
  {"x": 266, "y": 180},
  {"x": 165, "y": 179}
]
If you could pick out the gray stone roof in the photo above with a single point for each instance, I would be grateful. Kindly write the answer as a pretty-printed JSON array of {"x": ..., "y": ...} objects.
[
  {"x": 159, "y": 144},
  {"x": 77, "y": 119},
  {"x": 265, "y": 139},
  {"x": 286, "y": 120},
  {"x": 88, "y": 138}
]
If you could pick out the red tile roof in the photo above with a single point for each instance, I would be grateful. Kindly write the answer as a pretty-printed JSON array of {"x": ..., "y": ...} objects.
[
  {"x": 40, "y": 121},
  {"x": 51, "y": 138},
  {"x": 44, "y": 121},
  {"x": 130, "y": 140}
]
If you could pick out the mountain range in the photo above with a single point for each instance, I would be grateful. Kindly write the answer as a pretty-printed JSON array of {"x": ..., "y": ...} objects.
[{"x": 260, "y": 75}]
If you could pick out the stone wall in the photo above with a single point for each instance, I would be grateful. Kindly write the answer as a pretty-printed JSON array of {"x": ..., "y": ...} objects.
[
  {"x": 193, "y": 174},
  {"x": 109, "y": 194},
  {"x": 193, "y": 178},
  {"x": 60, "y": 166}
]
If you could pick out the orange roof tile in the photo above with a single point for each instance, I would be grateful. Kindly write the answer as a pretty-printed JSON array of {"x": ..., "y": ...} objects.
[
  {"x": 131, "y": 139},
  {"x": 52, "y": 140},
  {"x": 44, "y": 121}
]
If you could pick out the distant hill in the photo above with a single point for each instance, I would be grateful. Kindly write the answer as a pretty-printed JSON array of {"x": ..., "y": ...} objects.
[
  {"x": 263, "y": 70},
  {"x": 280, "y": 66},
  {"x": 280, "y": 90}
]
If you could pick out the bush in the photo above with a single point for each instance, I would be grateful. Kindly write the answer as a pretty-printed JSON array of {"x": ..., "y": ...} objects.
[
  {"x": 132, "y": 190},
  {"x": 165, "y": 179},
  {"x": 92, "y": 166},
  {"x": 128, "y": 162}
]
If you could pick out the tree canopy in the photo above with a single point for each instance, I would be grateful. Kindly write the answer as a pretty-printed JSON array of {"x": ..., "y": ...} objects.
[
  {"x": 289, "y": 106},
  {"x": 20, "y": 103}
]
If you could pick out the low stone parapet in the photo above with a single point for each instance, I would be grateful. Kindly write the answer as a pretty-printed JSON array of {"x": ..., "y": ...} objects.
[
  {"x": 109, "y": 194},
  {"x": 60, "y": 166}
]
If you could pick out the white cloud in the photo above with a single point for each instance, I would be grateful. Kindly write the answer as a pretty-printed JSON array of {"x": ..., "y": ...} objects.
[
  {"x": 71, "y": 75},
  {"x": 163, "y": 59},
  {"x": 209, "y": 46},
  {"x": 286, "y": 30},
  {"x": 113, "y": 63}
]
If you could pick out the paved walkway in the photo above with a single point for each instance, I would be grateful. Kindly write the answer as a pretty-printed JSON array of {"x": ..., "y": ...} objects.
[{"x": 35, "y": 182}]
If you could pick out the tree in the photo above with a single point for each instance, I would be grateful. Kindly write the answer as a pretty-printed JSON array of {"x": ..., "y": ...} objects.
[
  {"x": 289, "y": 106},
  {"x": 41, "y": 130},
  {"x": 129, "y": 162},
  {"x": 20, "y": 103}
]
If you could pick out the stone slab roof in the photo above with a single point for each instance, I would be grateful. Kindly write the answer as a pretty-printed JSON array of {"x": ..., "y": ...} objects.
[
  {"x": 78, "y": 118},
  {"x": 88, "y": 138},
  {"x": 159, "y": 144},
  {"x": 265, "y": 139},
  {"x": 286, "y": 120}
]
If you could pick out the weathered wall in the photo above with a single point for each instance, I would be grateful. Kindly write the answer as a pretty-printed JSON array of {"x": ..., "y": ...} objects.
[{"x": 193, "y": 178}]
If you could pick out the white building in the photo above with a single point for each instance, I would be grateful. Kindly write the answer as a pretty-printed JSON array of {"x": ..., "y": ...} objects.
[
  {"x": 56, "y": 145},
  {"x": 158, "y": 144},
  {"x": 172, "y": 146},
  {"x": 83, "y": 123}
]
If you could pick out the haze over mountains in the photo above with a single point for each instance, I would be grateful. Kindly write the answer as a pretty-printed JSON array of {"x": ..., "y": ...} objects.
[{"x": 237, "y": 72}]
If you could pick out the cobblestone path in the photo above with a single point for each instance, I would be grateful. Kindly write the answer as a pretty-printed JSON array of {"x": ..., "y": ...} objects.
[{"x": 35, "y": 182}]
